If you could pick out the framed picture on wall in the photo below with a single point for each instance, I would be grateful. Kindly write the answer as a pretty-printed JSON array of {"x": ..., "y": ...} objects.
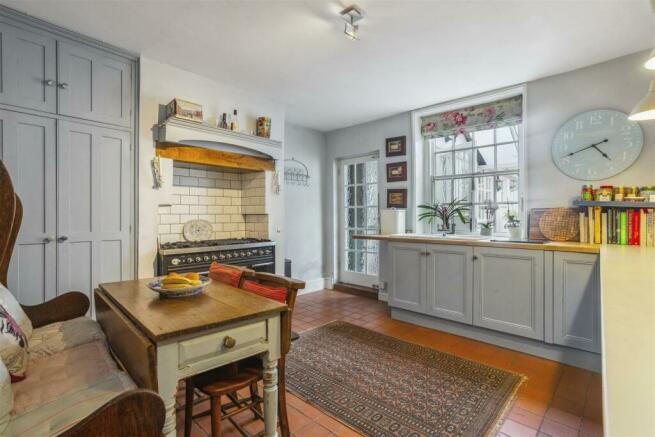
[
  {"x": 396, "y": 146},
  {"x": 397, "y": 198},
  {"x": 397, "y": 171}
]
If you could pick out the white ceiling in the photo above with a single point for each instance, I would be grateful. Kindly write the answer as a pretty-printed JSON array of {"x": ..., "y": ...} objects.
[{"x": 411, "y": 53}]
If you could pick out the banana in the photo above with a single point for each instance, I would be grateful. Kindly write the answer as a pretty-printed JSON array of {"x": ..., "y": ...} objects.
[
  {"x": 176, "y": 280},
  {"x": 174, "y": 286}
]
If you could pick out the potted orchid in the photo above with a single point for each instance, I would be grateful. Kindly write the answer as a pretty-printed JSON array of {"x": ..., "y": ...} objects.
[
  {"x": 487, "y": 226},
  {"x": 513, "y": 224}
]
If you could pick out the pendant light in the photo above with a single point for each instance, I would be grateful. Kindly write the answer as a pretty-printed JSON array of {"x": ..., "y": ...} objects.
[{"x": 645, "y": 109}]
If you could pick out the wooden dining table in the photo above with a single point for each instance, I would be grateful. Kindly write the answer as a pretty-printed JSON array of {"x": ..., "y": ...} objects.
[{"x": 160, "y": 341}]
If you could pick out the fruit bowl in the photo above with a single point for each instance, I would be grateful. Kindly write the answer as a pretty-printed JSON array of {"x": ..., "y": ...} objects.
[{"x": 191, "y": 290}]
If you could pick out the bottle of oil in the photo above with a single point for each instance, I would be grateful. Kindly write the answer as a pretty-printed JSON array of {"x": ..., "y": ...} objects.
[{"x": 234, "y": 125}]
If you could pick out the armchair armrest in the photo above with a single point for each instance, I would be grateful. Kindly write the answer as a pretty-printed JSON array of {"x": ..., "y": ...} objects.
[
  {"x": 137, "y": 412},
  {"x": 65, "y": 307}
]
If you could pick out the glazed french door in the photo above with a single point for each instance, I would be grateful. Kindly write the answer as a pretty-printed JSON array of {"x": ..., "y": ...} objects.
[{"x": 358, "y": 214}]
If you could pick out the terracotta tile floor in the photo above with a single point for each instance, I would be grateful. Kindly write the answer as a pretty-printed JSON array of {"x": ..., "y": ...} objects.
[{"x": 556, "y": 400}]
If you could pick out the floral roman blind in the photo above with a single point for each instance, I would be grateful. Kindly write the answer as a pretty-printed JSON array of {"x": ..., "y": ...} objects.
[{"x": 474, "y": 118}]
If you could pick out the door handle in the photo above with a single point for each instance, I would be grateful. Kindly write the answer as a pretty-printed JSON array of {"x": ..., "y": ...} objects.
[
  {"x": 49, "y": 82},
  {"x": 48, "y": 239},
  {"x": 63, "y": 85},
  {"x": 474, "y": 258},
  {"x": 62, "y": 238}
]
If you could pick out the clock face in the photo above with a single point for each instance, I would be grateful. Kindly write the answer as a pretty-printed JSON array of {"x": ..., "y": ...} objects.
[{"x": 597, "y": 144}]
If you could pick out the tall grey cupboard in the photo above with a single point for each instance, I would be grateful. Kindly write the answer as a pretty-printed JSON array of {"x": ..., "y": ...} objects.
[{"x": 66, "y": 135}]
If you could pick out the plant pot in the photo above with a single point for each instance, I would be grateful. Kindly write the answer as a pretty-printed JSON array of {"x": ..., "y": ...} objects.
[
  {"x": 514, "y": 233},
  {"x": 485, "y": 231},
  {"x": 443, "y": 230}
]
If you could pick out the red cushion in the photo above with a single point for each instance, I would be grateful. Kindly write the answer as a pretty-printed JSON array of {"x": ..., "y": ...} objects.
[
  {"x": 226, "y": 275},
  {"x": 275, "y": 293}
]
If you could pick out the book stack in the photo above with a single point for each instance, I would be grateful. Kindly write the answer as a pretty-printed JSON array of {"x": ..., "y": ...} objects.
[{"x": 625, "y": 226}]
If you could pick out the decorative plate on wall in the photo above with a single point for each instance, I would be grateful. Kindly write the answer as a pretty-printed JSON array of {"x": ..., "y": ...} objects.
[
  {"x": 597, "y": 144},
  {"x": 197, "y": 230}
]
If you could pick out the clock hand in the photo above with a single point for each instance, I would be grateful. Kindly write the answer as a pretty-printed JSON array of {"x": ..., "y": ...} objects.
[
  {"x": 602, "y": 153},
  {"x": 588, "y": 147}
]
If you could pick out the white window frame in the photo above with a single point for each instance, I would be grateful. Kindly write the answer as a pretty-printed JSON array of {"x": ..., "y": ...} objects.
[{"x": 422, "y": 182}]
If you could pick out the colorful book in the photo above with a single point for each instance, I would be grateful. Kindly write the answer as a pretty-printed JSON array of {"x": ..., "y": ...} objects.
[
  {"x": 623, "y": 227},
  {"x": 590, "y": 223},
  {"x": 597, "y": 223},
  {"x": 636, "y": 222},
  {"x": 642, "y": 227},
  {"x": 617, "y": 226},
  {"x": 610, "y": 226},
  {"x": 583, "y": 228},
  {"x": 603, "y": 228},
  {"x": 651, "y": 227}
]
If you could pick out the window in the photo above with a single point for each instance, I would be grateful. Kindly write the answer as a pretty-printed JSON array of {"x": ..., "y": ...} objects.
[{"x": 473, "y": 154}]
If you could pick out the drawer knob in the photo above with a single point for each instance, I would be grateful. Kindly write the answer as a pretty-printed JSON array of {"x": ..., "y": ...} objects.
[{"x": 229, "y": 342}]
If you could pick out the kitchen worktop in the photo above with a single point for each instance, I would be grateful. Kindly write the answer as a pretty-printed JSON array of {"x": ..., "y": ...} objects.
[
  {"x": 628, "y": 338},
  {"x": 558, "y": 246}
]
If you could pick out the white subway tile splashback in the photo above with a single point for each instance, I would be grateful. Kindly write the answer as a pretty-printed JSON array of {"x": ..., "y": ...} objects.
[{"x": 233, "y": 202}]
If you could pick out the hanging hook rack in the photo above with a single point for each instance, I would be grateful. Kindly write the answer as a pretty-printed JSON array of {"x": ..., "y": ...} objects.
[{"x": 294, "y": 175}]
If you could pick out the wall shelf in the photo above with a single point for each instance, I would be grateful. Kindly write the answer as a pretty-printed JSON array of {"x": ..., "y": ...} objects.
[{"x": 582, "y": 203}]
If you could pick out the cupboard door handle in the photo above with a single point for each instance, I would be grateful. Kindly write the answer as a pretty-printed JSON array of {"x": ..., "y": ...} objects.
[
  {"x": 62, "y": 238},
  {"x": 475, "y": 258},
  {"x": 229, "y": 342},
  {"x": 49, "y": 82},
  {"x": 48, "y": 239},
  {"x": 63, "y": 85}
]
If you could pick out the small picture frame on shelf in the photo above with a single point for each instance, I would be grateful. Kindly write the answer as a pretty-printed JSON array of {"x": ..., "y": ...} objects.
[
  {"x": 396, "y": 146},
  {"x": 397, "y": 171},
  {"x": 397, "y": 198}
]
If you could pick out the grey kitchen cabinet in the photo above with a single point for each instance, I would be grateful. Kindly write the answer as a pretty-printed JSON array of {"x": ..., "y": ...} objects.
[
  {"x": 450, "y": 282},
  {"x": 576, "y": 301},
  {"x": 93, "y": 214},
  {"x": 28, "y": 149},
  {"x": 28, "y": 69},
  {"x": 93, "y": 84},
  {"x": 408, "y": 276},
  {"x": 509, "y": 291}
]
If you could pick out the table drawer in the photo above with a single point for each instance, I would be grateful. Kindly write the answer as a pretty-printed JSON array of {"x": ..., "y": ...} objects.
[{"x": 221, "y": 343}]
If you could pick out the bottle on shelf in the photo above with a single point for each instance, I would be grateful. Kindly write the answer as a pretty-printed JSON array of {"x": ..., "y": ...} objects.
[
  {"x": 234, "y": 125},
  {"x": 224, "y": 121}
]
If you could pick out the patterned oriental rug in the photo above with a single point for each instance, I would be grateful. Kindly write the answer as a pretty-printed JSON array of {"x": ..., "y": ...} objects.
[{"x": 382, "y": 386}]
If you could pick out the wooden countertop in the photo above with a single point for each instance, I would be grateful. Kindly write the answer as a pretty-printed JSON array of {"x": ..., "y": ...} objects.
[
  {"x": 560, "y": 246},
  {"x": 160, "y": 319},
  {"x": 628, "y": 334}
]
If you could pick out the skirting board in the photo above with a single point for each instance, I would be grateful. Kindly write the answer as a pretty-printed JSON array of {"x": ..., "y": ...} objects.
[
  {"x": 313, "y": 285},
  {"x": 573, "y": 357}
]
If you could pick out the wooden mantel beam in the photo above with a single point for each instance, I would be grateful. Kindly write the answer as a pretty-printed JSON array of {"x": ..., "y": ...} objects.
[{"x": 200, "y": 155}]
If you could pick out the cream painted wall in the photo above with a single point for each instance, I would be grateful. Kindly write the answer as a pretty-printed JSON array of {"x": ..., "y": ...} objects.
[
  {"x": 159, "y": 83},
  {"x": 305, "y": 218}
]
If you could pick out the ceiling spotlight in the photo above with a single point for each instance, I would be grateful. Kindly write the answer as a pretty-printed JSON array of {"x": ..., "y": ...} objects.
[{"x": 351, "y": 15}]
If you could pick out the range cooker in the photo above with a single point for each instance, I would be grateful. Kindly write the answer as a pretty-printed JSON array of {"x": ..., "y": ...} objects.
[{"x": 196, "y": 256}]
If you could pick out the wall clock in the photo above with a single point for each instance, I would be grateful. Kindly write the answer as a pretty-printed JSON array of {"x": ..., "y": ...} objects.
[{"x": 597, "y": 144}]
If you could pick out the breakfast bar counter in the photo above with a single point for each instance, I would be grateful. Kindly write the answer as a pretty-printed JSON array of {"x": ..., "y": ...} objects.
[{"x": 628, "y": 335}]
